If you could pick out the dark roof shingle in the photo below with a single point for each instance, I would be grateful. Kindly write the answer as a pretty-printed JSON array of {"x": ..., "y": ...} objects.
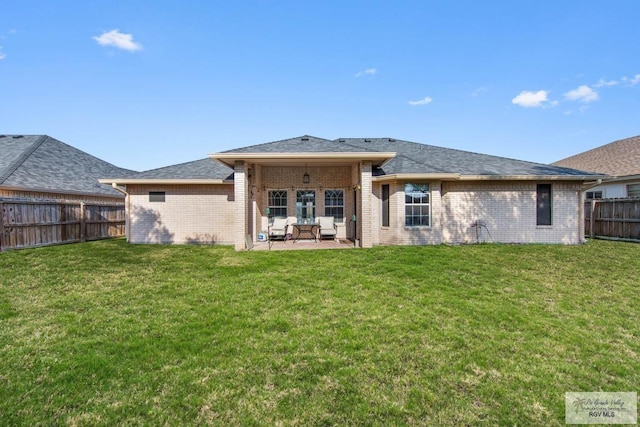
[
  {"x": 618, "y": 158},
  {"x": 42, "y": 163},
  {"x": 197, "y": 169}
]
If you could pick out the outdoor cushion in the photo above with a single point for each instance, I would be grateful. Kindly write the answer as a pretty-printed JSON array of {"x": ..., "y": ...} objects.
[
  {"x": 327, "y": 226},
  {"x": 278, "y": 227}
]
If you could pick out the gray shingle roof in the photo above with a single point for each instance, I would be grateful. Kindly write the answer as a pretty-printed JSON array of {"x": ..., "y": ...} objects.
[
  {"x": 300, "y": 144},
  {"x": 413, "y": 157},
  {"x": 618, "y": 158},
  {"x": 42, "y": 163},
  {"x": 198, "y": 169}
]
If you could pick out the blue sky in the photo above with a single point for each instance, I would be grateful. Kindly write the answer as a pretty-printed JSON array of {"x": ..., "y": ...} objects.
[{"x": 144, "y": 84}]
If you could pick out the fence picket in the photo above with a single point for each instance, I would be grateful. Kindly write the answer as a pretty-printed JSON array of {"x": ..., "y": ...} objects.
[
  {"x": 28, "y": 223},
  {"x": 617, "y": 219}
]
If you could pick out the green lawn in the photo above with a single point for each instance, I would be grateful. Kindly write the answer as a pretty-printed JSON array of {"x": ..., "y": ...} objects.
[{"x": 108, "y": 333}]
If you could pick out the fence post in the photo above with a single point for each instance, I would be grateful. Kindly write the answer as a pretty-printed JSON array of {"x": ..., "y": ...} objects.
[
  {"x": 592, "y": 219},
  {"x": 82, "y": 222},
  {"x": 1, "y": 226}
]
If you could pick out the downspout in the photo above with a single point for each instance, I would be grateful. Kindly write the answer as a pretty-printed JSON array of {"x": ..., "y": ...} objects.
[{"x": 127, "y": 201}]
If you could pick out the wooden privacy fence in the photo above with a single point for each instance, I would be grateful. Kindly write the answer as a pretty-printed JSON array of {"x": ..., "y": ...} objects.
[
  {"x": 34, "y": 223},
  {"x": 617, "y": 219}
]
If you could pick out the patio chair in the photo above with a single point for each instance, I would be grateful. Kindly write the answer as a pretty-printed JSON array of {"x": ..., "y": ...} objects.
[
  {"x": 327, "y": 227},
  {"x": 278, "y": 228}
]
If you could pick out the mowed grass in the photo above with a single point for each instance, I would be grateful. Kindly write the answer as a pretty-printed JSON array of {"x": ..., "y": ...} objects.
[{"x": 108, "y": 333}]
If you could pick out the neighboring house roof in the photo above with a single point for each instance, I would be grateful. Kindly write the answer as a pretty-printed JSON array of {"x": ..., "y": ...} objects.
[
  {"x": 200, "y": 171},
  {"x": 618, "y": 158},
  {"x": 42, "y": 163}
]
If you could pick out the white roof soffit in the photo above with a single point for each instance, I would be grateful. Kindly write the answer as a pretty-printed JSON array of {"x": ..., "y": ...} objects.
[
  {"x": 163, "y": 181},
  {"x": 459, "y": 177}
]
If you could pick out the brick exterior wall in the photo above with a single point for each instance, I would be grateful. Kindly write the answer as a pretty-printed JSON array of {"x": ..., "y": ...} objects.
[
  {"x": 509, "y": 211},
  {"x": 397, "y": 233},
  {"x": 190, "y": 214},
  {"x": 507, "y": 208},
  {"x": 212, "y": 214},
  {"x": 239, "y": 208},
  {"x": 366, "y": 210}
]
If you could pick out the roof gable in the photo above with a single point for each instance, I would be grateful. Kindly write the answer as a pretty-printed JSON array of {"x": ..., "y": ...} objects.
[{"x": 618, "y": 158}]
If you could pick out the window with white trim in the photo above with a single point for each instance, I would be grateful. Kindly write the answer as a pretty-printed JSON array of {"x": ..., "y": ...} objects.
[
  {"x": 277, "y": 203},
  {"x": 633, "y": 190},
  {"x": 334, "y": 204},
  {"x": 417, "y": 206}
]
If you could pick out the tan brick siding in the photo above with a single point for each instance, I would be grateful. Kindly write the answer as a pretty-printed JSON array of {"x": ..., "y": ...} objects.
[
  {"x": 190, "y": 214},
  {"x": 507, "y": 208},
  {"x": 397, "y": 233},
  {"x": 509, "y": 211}
]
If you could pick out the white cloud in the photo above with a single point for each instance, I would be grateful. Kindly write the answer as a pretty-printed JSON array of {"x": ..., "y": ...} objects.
[
  {"x": 2, "y": 56},
  {"x": 367, "y": 72},
  {"x": 117, "y": 39},
  {"x": 583, "y": 94},
  {"x": 632, "y": 81},
  {"x": 603, "y": 82},
  {"x": 424, "y": 101},
  {"x": 530, "y": 99}
]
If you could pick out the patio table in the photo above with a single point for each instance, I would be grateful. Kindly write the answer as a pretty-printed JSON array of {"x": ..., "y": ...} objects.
[{"x": 305, "y": 231}]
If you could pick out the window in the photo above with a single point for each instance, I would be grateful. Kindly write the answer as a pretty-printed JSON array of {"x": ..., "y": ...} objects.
[
  {"x": 543, "y": 204},
  {"x": 156, "y": 196},
  {"x": 416, "y": 205},
  {"x": 590, "y": 195},
  {"x": 277, "y": 203},
  {"x": 633, "y": 190},
  {"x": 334, "y": 204},
  {"x": 385, "y": 205},
  {"x": 305, "y": 206}
]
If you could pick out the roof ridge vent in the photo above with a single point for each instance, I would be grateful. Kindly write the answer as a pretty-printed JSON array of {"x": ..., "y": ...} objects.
[
  {"x": 304, "y": 138},
  {"x": 17, "y": 136},
  {"x": 342, "y": 140},
  {"x": 392, "y": 140},
  {"x": 367, "y": 140}
]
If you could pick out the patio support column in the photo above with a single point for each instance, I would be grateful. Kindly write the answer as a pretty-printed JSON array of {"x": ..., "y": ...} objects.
[
  {"x": 240, "y": 204},
  {"x": 366, "y": 212}
]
